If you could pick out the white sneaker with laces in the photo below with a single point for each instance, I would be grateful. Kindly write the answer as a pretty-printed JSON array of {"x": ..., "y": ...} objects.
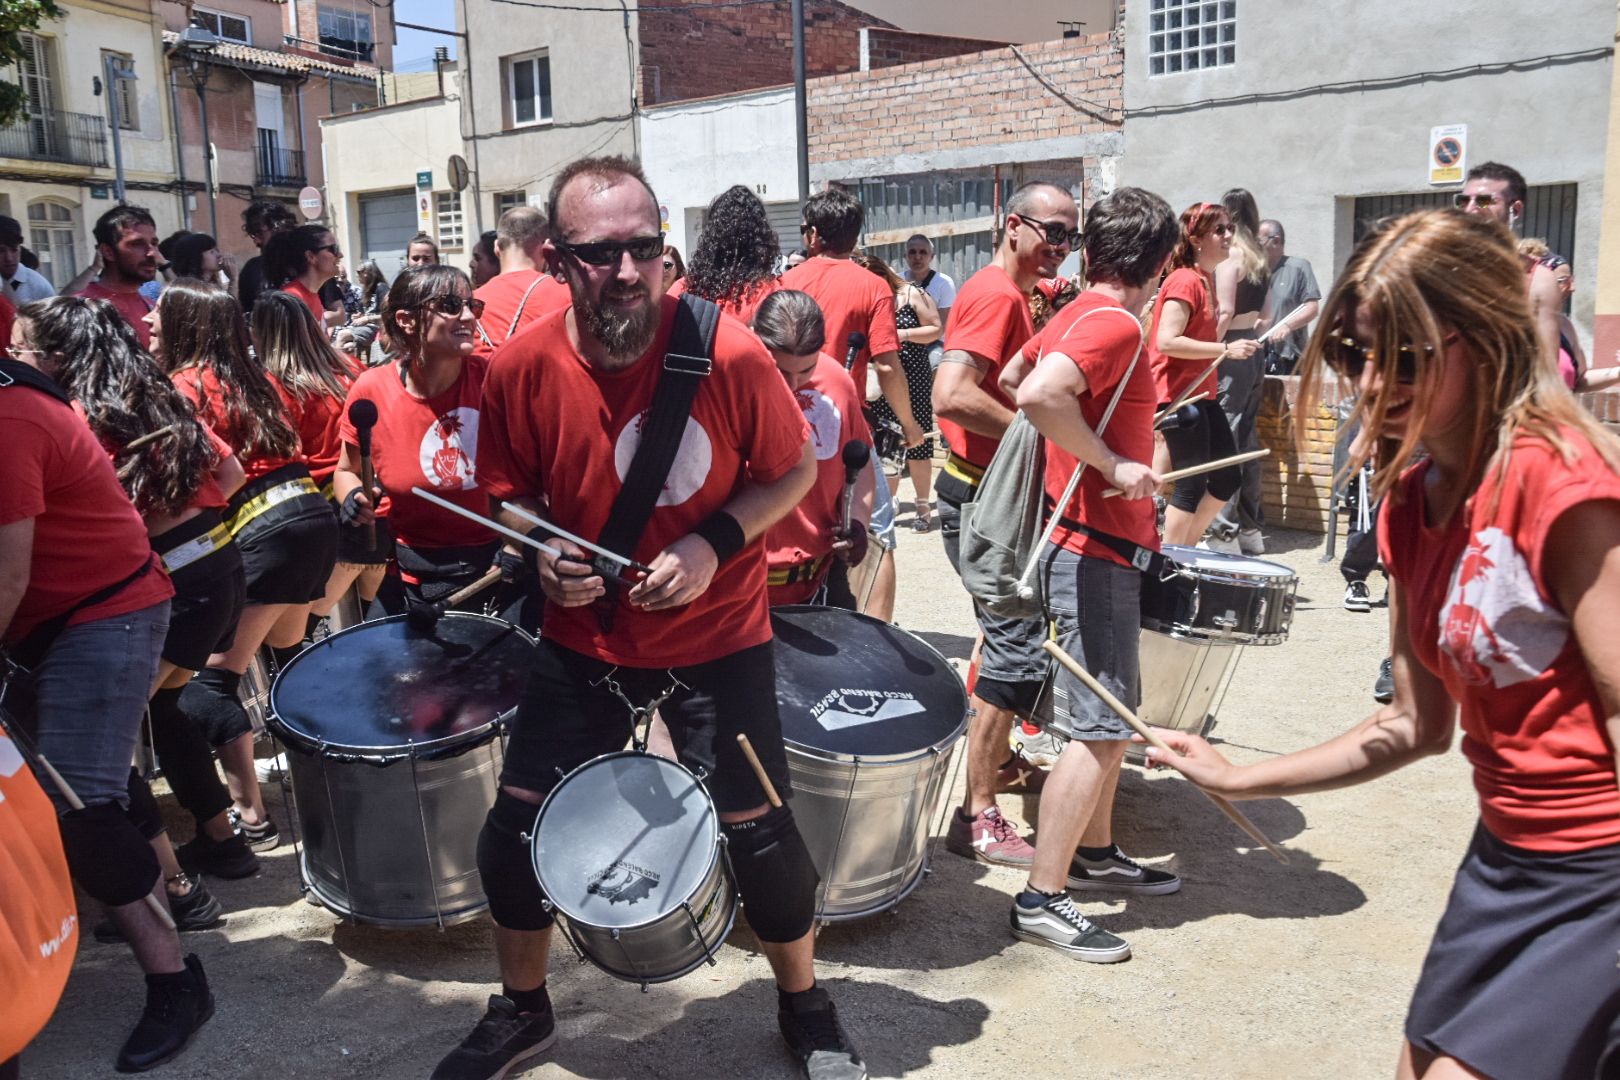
[
  {"x": 1057, "y": 924},
  {"x": 1357, "y": 597}
]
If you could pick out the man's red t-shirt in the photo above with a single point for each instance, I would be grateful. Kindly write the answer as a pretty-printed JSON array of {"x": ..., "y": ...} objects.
[
  {"x": 1482, "y": 618},
  {"x": 201, "y": 387},
  {"x": 430, "y": 443},
  {"x": 851, "y": 298},
  {"x": 1102, "y": 345},
  {"x": 131, "y": 305},
  {"x": 311, "y": 301},
  {"x": 1193, "y": 289},
  {"x": 990, "y": 319},
  {"x": 503, "y": 296},
  {"x": 742, "y": 309},
  {"x": 87, "y": 535},
  {"x": 557, "y": 427},
  {"x": 832, "y": 410}
]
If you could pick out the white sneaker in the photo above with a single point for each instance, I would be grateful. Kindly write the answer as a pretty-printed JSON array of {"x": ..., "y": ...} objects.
[
  {"x": 1226, "y": 545},
  {"x": 1357, "y": 597},
  {"x": 1057, "y": 924},
  {"x": 270, "y": 768},
  {"x": 1252, "y": 542}
]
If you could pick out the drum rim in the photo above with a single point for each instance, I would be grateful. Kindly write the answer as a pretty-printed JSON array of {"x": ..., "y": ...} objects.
[
  {"x": 880, "y": 759},
  {"x": 708, "y": 869},
  {"x": 392, "y": 752},
  {"x": 1218, "y": 558}
]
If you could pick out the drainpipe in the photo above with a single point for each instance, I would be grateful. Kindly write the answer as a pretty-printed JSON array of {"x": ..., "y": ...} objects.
[{"x": 179, "y": 147}]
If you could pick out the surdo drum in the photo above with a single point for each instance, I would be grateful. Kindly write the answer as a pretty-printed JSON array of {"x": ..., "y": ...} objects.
[
  {"x": 393, "y": 748},
  {"x": 628, "y": 852},
  {"x": 870, "y": 716}
]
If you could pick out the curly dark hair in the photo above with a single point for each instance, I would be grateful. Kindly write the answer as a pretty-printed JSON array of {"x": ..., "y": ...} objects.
[
  {"x": 98, "y": 360},
  {"x": 737, "y": 250}
]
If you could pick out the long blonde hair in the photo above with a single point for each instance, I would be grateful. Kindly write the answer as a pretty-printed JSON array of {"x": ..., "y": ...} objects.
[
  {"x": 294, "y": 349},
  {"x": 1420, "y": 278}
]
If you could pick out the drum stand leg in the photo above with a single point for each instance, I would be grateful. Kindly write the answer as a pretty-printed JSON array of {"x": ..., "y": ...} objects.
[
  {"x": 942, "y": 822},
  {"x": 337, "y": 834},
  {"x": 427, "y": 847},
  {"x": 843, "y": 824},
  {"x": 289, "y": 807}
]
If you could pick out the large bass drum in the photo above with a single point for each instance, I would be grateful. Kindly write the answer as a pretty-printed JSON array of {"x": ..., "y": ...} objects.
[
  {"x": 393, "y": 746},
  {"x": 870, "y": 716}
]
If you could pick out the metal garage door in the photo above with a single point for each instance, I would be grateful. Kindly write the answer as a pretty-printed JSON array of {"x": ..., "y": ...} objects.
[
  {"x": 387, "y": 223},
  {"x": 785, "y": 219}
]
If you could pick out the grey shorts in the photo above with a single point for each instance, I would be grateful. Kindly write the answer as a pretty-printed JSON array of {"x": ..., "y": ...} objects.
[{"x": 1097, "y": 607}]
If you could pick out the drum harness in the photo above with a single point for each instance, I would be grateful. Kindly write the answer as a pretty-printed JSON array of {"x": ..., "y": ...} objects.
[{"x": 641, "y": 715}]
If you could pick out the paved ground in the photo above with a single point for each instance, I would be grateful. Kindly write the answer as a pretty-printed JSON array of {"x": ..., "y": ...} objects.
[{"x": 1254, "y": 970}]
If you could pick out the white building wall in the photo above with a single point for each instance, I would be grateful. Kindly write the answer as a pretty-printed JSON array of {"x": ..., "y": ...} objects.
[
  {"x": 692, "y": 151},
  {"x": 1307, "y": 156}
]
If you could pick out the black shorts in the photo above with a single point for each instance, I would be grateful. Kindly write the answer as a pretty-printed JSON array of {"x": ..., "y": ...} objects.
[
  {"x": 208, "y": 596},
  {"x": 569, "y": 716},
  {"x": 355, "y": 547},
  {"x": 288, "y": 551},
  {"x": 1520, "y": 980}
]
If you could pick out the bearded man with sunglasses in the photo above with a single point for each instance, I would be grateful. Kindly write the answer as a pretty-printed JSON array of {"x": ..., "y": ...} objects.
[
  {"x": 990, "y": 323},
  {"x": 563, "y": 413},
  {"x": 1498, "y": 191}
]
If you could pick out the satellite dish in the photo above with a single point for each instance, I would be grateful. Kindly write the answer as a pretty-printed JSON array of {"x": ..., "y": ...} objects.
[{"x": 458, "y": 172}]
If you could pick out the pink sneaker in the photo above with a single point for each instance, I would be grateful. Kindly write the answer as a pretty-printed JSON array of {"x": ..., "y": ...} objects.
[
  {"x": 1020, "y": 777},
  {"x": 988, "y": 838}
]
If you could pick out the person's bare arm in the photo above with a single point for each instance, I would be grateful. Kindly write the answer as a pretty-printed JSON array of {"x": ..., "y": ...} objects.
[
  {"x": 16, "y": 567},
  {"x": 1050, "y": 397},
  {"x": 960, "y": 397},
  {"x": 1297, "y": 319},
  {"x": 1013, "y": 374},
  {"x": 86, "y": 276},
  {"x": 929, "y": 324},
  {"x": 1584, "y": 579},
  {"x": 229, "y": 475},
  {"x": 1226, "y": 283},
  {"x": 1174, "y": 342},
  {"x": 1545, "y": 302}
]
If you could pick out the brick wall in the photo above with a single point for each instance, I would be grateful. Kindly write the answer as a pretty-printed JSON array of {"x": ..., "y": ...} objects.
[
  {"x": 720, "y": 50},
  {"x": 890, "y": 48},
  {"x": 986, "y": 98}
]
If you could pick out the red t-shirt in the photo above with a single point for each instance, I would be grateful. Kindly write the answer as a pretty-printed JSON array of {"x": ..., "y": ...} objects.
[
  {"x": 201, "y": 387},
  {"x": 316, "y": 419},
  {"x": 1102, "y": 346},
  {"x": 1482, "y": 618},
  {"x": 8, "y": 315},
  {"x": 1197, "y": 294},
  {"x": 503, "y": 293},
  {"x": 131, "y": 305},
  {"x": 311, "y": 301},
  {"x": 559, "y": 428},
  {"x": 430, "y": 443},
  {"x": 209, "y": 496},
  {"x": 743, "y": 309},
  {"x": 87, "y": 535},
  {"x": 990, "y": 319},
  {"x": 832, "y": 410},
  {"x": 851, "y": 298}
]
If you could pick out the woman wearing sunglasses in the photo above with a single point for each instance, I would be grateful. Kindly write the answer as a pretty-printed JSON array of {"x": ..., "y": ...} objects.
[
  {"x": 302, "y": 261},
  {"x": 1503, "y": 550},
  {"x": 426, "y": 436},
  {"x": 1185, "y": 351}
]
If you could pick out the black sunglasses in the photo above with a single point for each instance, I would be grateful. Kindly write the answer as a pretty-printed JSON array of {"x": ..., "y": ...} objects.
[
  {"x": 452, "y": 305},
  {"x": 333, "y": 248},
  {"x": 1349, "y": 358},
  {"x": 1462, "y": 202},
  {"x": 1057, "y": 233},
  {"x": 611, "y": 252}
]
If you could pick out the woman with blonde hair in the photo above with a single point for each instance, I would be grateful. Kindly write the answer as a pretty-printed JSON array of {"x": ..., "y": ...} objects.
[
  {"x": 1503, "y": 551},
  {"x": 1240, "y": 294}
]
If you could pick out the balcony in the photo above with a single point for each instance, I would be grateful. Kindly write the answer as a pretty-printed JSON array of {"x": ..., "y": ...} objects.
[
  {"x": 280, "y": 168},
  {"x": 342, "y": 48},
  {"x": 69, "y": 138}
]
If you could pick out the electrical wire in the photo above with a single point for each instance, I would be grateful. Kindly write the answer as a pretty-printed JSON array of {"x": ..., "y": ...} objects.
[{"x": 643, "y": 10}]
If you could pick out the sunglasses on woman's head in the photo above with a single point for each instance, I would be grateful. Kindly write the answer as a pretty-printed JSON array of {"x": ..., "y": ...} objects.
[
  {"x": 611, "y": 252},
  {"x": 452, "y": 305},
  {"x": 1349, "y": 358}
]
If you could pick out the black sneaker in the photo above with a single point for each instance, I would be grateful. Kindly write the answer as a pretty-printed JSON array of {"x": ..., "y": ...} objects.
[
  {"x": 809, "y": 1023},
  {"x": 1384, "y": 685},
  {"x": 503, "y": 1039},
  {"x": 260, "y": 837},
  {"x": 197, "y": 910},
  {"x": 228, "y": 858},
  {"x": 1120, "y": 873},
  {"x": 173, "y": 1014},
  {"x": 1357, "y": 597},
  {"x": 1054, "y": 921}
]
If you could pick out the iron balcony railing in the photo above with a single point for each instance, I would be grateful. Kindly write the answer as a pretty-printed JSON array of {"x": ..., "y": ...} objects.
[
  {"x": 280, "y": 168},
  {"x": 71, "y": 138}
]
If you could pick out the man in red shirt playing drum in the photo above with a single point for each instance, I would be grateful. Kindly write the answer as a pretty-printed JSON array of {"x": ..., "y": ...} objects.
[
  {"x": 561, "y": 420},
  {"x": 799, "y": 548},
  {"x": 127, "y": 241},
  {"x": 1091, "y": 351}
]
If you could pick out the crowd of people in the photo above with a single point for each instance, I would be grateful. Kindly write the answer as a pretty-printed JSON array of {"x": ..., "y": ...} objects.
[{"x": 203, "y": 470}]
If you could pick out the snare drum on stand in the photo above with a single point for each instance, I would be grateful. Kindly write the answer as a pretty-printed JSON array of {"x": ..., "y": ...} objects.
[{"x": 393, "y": 746}]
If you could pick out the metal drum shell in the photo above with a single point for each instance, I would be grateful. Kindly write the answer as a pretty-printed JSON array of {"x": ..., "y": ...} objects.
[{"x": 1223, "y": 598}]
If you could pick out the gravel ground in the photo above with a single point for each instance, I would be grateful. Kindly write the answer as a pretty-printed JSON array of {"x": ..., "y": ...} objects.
[{"x": 1254, "y": 969}]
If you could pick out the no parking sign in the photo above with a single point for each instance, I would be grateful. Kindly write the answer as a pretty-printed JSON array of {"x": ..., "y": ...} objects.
[{"x": 1448, "y": 153}]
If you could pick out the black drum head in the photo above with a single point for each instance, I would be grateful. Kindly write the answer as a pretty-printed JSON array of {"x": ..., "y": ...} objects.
[
  {"x": 851, "y": 685},
  {"x": 382, "y": 687}
]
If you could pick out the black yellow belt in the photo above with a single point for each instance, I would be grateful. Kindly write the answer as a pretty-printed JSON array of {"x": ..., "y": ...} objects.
[
  {"x": 792, "y": 575},
  {"x": 963, "y": 469},
  {"x": 196, "y": 549},
  {"x": 264, "y": 500}
]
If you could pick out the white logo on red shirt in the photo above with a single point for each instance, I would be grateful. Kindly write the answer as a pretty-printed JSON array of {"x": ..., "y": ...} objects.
[
  {"x": 686, "y": 474},
  {"x": 448, "y": 447},
  {"x": 825, "y": 422},
  {"x": 1495, "y": 626}
]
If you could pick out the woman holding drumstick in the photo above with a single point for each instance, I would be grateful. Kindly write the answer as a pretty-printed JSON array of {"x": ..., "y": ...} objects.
[
  {"x": 1503, "y": 550},
  {"x": 1185, "y": 351}
]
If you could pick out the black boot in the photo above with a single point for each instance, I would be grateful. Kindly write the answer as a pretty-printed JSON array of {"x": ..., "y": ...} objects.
[
  {"x": 176, "y": 1006},
  {"x": 196, "y": 910},
  {"x": 228, "y": 858}
]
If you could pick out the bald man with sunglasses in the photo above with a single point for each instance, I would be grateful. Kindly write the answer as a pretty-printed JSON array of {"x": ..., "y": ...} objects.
[{"x": 1498, "y": 191}]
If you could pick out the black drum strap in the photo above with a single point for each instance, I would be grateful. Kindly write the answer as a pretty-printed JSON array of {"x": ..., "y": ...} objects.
[{"x": 1149, "y": 562}]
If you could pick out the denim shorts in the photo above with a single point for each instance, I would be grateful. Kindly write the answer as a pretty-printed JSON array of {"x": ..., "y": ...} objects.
[
  {"x": 91, "y": 690},
  {"x": 1097, "y": 606},
  {"x": 882, "y": 506}
]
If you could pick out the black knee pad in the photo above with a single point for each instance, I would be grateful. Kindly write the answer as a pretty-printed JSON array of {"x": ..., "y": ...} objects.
[
  {"x": 506, "y": 867},
  {"x": 1224, "y": 483},
  {"x": 143, "y": 808},
  {"x": 107, "y": 854},
  {"x": 775, "y": 875},
  {"x": 211, "y": 702}
]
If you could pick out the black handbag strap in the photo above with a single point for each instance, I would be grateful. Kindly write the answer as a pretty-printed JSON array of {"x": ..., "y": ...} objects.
[{"x": 687, "y": 362}]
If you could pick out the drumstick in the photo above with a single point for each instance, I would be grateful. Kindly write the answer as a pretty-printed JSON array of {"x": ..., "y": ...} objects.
[
  {"x": 551, "y": 526},
  {"x": 1146, "y": 732},
  {"x": 521, "y": 538},
  {"x": 150, "y": 437},
  {"x": 426, "y": 616},
  {"x": 1162, "y": 413},
  {"x": 759, "y": 770},
  {"x": 1196, "y": 470}
]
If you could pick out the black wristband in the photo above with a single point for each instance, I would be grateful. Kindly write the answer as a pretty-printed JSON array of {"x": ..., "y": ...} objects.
[
  {"x": 724, "y": 534},
  {"x": 531, "y": 554}
]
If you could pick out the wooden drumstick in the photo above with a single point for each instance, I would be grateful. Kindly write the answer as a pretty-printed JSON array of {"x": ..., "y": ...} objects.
[
  {"x": 1242, "y": 821},
  {"x": 1162, "y": 413},
  {"x": 759, "y": 770},
  {"x": 1195, "y": 470},
  {"x": 150, "y": 437}
]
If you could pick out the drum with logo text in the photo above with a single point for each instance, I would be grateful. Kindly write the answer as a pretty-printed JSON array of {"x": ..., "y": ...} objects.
[{"x": 870, "y": 717}]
